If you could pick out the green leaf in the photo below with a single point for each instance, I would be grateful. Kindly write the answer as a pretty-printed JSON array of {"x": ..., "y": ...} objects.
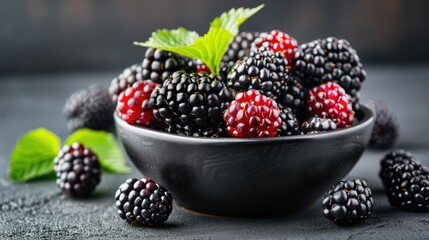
[
  {"x": 209, "y": 48},
  {"x": 103, "y": 144},
  {"x": 232, "y": 19},
  {"x": 173, "y": 38},
  {"x": 33, "y": 155}
]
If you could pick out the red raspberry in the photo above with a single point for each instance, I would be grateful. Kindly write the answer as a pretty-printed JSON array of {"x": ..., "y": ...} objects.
[
  {"x": 278, "y": 41},
  {"x": 252, "y": 114},
  {"x": 133, "y": 103},
  {"x": 330, "y": 100},
  {"x": 202, "y": 68}
]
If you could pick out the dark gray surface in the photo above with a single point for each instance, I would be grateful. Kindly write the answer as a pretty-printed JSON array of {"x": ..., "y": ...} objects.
[{"x": 37, "y": 210}]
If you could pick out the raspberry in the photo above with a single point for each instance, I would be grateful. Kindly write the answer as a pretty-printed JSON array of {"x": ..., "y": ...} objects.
[
  {"x": 329, "y": 100},
  {"x": 278, "y": 41},
  {"x": 78, "y": 170},
  {"x": 133, "y": 103},
  {"x": 143, "y": 202},
  {"x": 202, "y": 67},
  {"x": 252, "y": 114}
]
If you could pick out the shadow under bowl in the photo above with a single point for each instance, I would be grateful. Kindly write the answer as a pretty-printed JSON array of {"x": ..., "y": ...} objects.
[{"x": 246, "y": 177}]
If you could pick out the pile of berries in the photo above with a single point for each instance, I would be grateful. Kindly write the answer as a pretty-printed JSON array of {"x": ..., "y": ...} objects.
[{"x": 268, "y": 86}]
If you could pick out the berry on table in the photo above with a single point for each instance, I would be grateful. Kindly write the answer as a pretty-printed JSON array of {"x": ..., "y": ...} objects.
[
  {"x": 397, "y": 156},
  {"x": 252, "y": 115},
  {"x": 278, "y": 41},
  {"x": 386, "y": 127},
  {"x": 407, "y": 186},
  {"x": 348, "y": 202},
  {"x": 89, "y": 108},
  {"x": 329, "y": 100},
  {"x": 77, "y": 169},
  {"x": 143, "y": 202},
  {"x": 133, "y": 103}
]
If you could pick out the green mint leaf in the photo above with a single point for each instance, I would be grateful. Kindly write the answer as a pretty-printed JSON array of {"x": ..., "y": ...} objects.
[
  {"x": 33, "y": 155},
  {"x": 209, "y": 48},
  {"x": 172, "y": 38},
  {"x": 232, "y": 19},
  {"x": 103, "y": 144}
]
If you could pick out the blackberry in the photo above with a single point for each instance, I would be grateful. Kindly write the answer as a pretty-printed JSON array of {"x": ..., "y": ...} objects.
[
  {"x": 78, "y": 170},
  {"x": 191, "y": 103},
  {"x": 239, "y": 48},
  {"x": 262, "y": 70},
  {"x": 143, "y": 202},
  {"x": 290, "y": 123},
  {"x": 158, "y": 65},
  {"x": 218, "y": 132},
  {"x": 252, "y": 115},
  {"x": 127, "y": 78},
  {"x": 293, "y": 95},
  {"x": 407, "y": 186},
  {"x": 89, "y": 108},
  {"x": 348, "y": 202},
  {"x": 386, "y": 127},
  {"x": 317, "y": 125},
  {"x": 398, "y": 156},
  {"x": 330, "y": 59}
]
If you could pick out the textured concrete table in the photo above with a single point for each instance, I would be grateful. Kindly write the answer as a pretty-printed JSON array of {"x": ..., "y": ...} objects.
[{"x": 37, "y": 210}]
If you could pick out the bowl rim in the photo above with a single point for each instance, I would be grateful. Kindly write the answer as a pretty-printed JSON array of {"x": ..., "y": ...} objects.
[{"x": 367, "y": 119}]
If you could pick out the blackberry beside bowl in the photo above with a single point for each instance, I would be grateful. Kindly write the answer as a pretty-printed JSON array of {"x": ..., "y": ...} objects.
[{"x": 246, "y": 177}]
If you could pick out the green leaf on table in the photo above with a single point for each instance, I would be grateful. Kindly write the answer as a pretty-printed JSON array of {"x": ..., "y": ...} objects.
[
  {"x": 209, "y": 48},
  {"x": 232, "y": 19},
  {"x": 33, "y": 155},
  {"x": 103, "y": 144}
]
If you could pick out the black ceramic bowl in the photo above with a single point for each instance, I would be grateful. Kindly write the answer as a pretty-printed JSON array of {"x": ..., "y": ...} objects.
[{"x": 246, "y": 177}]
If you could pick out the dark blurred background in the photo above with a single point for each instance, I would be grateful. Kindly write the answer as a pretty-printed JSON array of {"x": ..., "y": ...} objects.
[{"x": 45, "y": 35}]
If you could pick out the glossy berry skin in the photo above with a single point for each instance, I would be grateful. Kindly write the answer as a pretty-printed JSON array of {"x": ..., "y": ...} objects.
[
  {"x": 317, "y": 125},
  {"x": 252, "y": 115},
  {"x": 78, "y": 170},
  {"x": 278, "y": 41},
  {"x": 348, "y": 202},
  {"x": 133, "y": 103},
  {"x": 143, "y": 202},
  {"x": 331, "y": 101},
  {"x": 407, "y": 186},
  {"x": 290, "y": 123},
  {"x": 127, "y": 78},
  {"x": 397, "y": 156}
]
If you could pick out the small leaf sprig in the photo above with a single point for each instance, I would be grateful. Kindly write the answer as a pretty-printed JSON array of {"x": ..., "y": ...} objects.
[
  {"x": 209, "y": 48},
  {"x": 33, "y": 155}
]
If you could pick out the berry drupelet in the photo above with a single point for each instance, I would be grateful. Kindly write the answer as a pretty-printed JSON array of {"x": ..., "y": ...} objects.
[
  {"x": 158, "y": 65},
  {"x": 143, "y": 202},
  {"x": 252, "y": 115},
  {"x": 329, "y": 100},
  {"x": 330, "y": 59},
  {"x": 191, "y": 103},
  {"x": 348, "y": 202},
  {"x": 278, "y": 41},
  {"x": 133, "y": 103},
  {"x": 78, "y": 170},
  {"x": 290, "y": 123},
  {"x": 126, "y": 79},
  {"x": 262, "y": 70},
  {"x": 386, "y": 126},
  {"x": 89, "y": 108}
]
